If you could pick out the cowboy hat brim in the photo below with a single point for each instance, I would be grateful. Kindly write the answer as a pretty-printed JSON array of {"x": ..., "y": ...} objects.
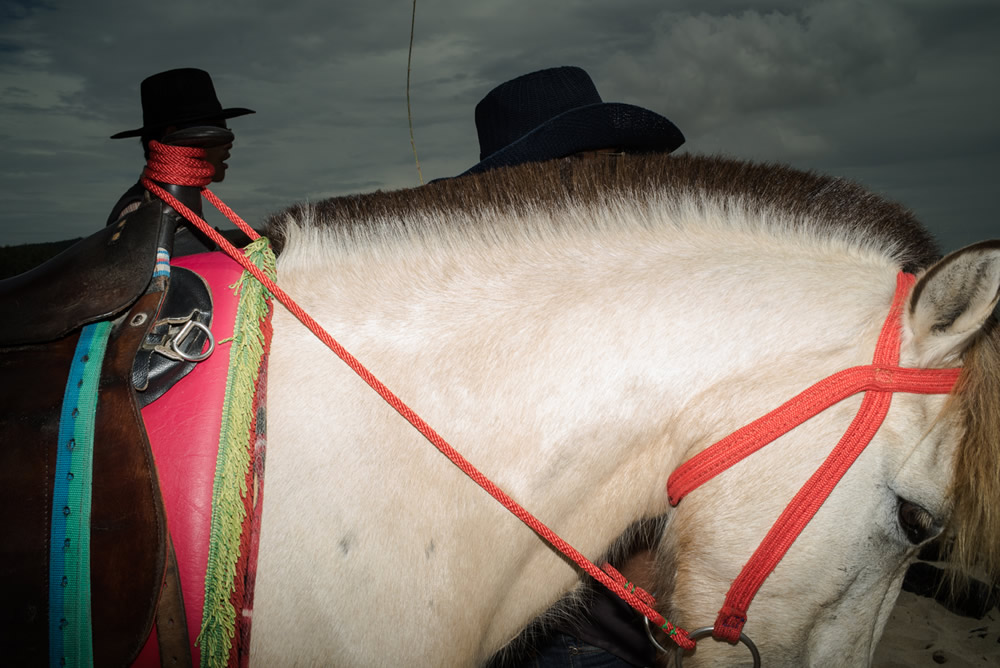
[
  {"x": 231, "y": 112},
  {"x": 594, "y": 126}
]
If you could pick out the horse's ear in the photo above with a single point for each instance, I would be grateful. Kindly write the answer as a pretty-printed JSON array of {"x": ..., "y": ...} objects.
[{"x": 950, "y": 303}]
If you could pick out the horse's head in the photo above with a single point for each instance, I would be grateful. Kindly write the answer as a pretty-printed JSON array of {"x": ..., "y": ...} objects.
[{"x": 931, "y": 471}]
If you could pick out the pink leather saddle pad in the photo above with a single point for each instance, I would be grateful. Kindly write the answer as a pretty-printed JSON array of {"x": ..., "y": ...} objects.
[{"x": 183, "y": 428}]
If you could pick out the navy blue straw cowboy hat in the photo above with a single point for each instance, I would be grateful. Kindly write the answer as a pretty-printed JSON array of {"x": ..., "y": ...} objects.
[
  {"x": 557, "y": 112},
  {"x": 179, "y": 97}
]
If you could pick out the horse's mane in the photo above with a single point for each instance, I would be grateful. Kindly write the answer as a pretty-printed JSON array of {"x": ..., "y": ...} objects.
[
  {"x": 764, "y": 193},
  {"x": 772, "y": 195},
  {"x": 974, "y": 545}
]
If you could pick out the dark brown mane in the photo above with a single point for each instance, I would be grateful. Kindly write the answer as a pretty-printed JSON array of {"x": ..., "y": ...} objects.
[{"x": 818, "y": 201}]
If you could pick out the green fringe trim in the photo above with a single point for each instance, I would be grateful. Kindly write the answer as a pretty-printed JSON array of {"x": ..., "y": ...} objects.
[{"x": 218, "y": 624}]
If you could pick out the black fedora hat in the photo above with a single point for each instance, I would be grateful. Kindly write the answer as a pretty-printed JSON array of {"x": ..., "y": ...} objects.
[
  {"x": 179, "y": 97},
  {"x": 557, "y": 112}
]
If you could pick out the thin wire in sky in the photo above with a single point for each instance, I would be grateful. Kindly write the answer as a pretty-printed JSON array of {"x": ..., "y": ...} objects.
[{"x": 409, "y": 116}]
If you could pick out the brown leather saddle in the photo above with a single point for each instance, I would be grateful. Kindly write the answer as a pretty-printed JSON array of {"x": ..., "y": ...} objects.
[{"x": 106, "y": 277}]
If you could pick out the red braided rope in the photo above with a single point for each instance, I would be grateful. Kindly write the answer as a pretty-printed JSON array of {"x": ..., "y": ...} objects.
[
  {"x": 178, "y": 165},
  {"x": 643, "y": 595},
  {"x": 811, "y": 402},
  {"x": 167, "y": 165}
]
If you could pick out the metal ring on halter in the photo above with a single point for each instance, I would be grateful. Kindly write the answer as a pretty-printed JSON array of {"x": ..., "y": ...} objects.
[
  {"x": 706, "y": 631},
  {"x": 698, "y": 634},
  {"x": 183, "y": 334}
]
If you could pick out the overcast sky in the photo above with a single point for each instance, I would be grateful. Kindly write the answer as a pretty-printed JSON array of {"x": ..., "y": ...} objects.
[{"x": 901, "y": 95}]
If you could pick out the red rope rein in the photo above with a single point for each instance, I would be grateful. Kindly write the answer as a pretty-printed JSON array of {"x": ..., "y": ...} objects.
[{"x": 163, "y": 165}]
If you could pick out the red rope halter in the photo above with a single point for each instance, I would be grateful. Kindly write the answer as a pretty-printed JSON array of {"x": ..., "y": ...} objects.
[
  {"x": 186, "y": 166},
  {"x": 878, "y": 381}
]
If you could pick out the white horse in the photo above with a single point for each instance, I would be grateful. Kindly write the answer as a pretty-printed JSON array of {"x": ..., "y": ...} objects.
[{"x": 578, "y": 330}]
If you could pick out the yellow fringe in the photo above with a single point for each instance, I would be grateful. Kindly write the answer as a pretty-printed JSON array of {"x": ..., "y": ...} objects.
[{"x": 218, "y": 624}]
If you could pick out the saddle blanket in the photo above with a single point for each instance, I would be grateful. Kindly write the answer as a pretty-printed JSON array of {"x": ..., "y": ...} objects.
[{"x": 184, "y": 432}]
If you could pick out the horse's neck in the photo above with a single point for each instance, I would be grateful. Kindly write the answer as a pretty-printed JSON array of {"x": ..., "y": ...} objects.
[
  {"x": 625, "y": 377},
  {"x": 578, "y": 392},
  {"x": 561, "y": 378}
]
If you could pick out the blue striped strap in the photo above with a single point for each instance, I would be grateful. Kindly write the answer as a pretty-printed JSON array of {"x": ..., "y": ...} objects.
[{"x": 70, "y": 632}]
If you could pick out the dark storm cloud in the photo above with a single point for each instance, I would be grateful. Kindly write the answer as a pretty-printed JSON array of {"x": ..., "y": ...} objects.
[
  {"x": 895, "y": 95},
  {"x": 898, "y": 95}
]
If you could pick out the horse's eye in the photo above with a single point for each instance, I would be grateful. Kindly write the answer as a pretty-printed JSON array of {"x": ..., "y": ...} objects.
[{"x": 917, "y": 523}]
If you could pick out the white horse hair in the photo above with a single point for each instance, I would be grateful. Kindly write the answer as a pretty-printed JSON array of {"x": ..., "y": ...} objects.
[{"x": 577, "y": 330}]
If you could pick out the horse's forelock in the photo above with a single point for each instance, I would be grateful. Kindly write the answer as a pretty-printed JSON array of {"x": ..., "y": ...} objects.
[{"x": 975, "y": 535}]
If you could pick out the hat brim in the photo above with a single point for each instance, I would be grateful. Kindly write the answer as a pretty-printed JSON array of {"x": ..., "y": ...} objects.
[
  {"x": 231, "y": 112},
  {"x": 595, "y": 126}
]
